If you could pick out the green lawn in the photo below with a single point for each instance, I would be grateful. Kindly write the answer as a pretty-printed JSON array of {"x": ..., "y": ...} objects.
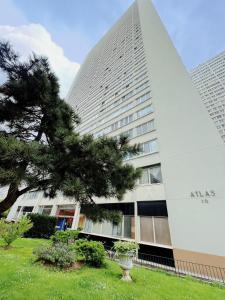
[{"x": 21, "y": 278}]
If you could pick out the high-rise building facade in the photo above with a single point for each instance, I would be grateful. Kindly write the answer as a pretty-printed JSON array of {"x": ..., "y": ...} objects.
[
  {"x": 209, "y": 79},
  {"x": 133, "y": 82}
]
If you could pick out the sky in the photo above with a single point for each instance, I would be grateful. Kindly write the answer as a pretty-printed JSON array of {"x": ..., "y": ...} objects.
[{"x": 66, "y": 30}]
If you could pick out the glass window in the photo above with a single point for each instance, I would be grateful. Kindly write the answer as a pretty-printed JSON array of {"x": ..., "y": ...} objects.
[
  {"x": 155, "y": 174},
  {"x": 88, "y": 226},
  {"x": 117, "y": 229},
  {"x": 144, "y": 112},
  {"x": 46, "y": 210},
  {"x": 144, "y": 128},
  {"x": 149, "y": 147},
  {"x": 146, "y": 228},
  {"x": 146, "y": 148},
  {"x": 128, "y": 133},
  {"x": 106, "y": 228},
  {"x": 153, "y": 146},
  {"x": 27, "y": 210},
  {"x": 127, "y": 227},
  {"x": 150, "y": 126},
  {"x": 97, "y": 228},
  {"x": 162, "y": 233},
  {"x": 130, "y": 118},
  {"x": 139, "y": 130},
  {"x": 144, "y": 177},
  {"x": 151, "y": 175}
]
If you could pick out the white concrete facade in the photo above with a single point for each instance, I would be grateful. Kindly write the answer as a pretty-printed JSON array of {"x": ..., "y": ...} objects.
[{"x": 134, "y": 82}]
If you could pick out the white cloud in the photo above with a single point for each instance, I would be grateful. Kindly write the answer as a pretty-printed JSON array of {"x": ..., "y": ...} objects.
[{"x": 35, "y": 38}]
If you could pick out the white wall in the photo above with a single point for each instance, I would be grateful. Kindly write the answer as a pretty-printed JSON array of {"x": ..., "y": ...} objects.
[{"x": 192, "y": 153}]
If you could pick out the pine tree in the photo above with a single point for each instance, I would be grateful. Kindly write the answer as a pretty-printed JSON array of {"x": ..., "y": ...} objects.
[{"x": 40, "y": 149}]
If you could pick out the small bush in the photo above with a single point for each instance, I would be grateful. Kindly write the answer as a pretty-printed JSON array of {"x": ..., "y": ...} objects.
[
  {"x": 59, "y": 255},
  {"x": 10, "y": 231},
  {"x": 43, "y": 226},
  {"x": 90, "y": 252},
  {"x": 65, "y": 237}
]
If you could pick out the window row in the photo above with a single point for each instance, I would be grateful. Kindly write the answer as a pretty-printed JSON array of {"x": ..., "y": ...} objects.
[
  {"x": 119, "y": 111},
  {"x": 139, "y": 130},
  {"x": 116, "y": 103},
  {"x": 125, "y": 121},
  {"x": 148, "y": 147},
  {"x": 151, "y": 229},
  {"x": 128, "y": 106},
  {"x": 125, "y": 229}
]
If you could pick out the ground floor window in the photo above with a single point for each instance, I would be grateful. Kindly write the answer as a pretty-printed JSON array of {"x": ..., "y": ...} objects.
[
  {"x": 45, "y": 210},
  {"x": 65, "y": 216},
  {"x": 155, "y": 230},
  {"x": 124, "y": 229},
  {"x": 26, "y": 210}
]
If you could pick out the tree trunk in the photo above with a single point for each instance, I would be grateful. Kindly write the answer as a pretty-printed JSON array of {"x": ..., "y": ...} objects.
[
  {"x": 10, "y": 199},
  {"x": 13, "y": 191}
]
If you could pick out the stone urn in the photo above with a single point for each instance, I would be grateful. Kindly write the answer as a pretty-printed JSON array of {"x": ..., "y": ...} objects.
[{"x": 126, "y": 263}]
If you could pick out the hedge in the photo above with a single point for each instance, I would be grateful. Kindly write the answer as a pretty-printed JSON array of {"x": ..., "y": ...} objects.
[{"x": 43, "y": 226}]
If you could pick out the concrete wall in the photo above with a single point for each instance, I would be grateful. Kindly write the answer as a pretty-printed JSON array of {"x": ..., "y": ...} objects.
[{"x": 192, "y": 153}]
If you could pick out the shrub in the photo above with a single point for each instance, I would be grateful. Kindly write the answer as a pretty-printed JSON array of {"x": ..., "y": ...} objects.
[
  {"x": 65, "y": 237},
  {"x": 123, "y": 248},
  {"x": 43, "y": 226},
  {"x": 10, "y": 231},
  {"x": 91, "y": 252},
  {"x": 59, "y": 255}
]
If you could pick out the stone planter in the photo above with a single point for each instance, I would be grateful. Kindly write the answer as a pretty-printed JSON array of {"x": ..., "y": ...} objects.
[{"x": 126, "y": 263}]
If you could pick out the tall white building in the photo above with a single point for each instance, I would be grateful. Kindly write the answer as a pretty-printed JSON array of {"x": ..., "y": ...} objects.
[
  {"x": 133, "y": 82},
  {"x": 209, "y": 79}
]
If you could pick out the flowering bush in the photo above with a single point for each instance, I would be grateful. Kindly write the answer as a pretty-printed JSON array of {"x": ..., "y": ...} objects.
[{"x": 59, "y": 255}]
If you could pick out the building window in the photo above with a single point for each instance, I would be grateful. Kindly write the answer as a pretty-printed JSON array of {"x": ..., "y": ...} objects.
[
  {"x": 162, "y": 232},
  {"x": 128, "y": 133},
  {"x": 145, "y": 111},
  {"x": 155, "y": 230},
  {"x": 117, "y": 229},
  {"x": 151, "y": 175},
  {"x": 96, "y": 227},
  {"x": 65, "y": 216},
  {"x": 125, "y": 229},
  {"x": 143, "y": 98},
  {"x": 149, "y": 147},
  {"x": 88, "y": 226},
  {"x": 45, "y": 210},
  {"x": 144, "y": 128},
  {"x": 146, "y": 229},
  {"x": 26, "y": 210}
]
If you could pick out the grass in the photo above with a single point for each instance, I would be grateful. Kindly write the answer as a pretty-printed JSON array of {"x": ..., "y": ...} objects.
[{"x": 21, "y": 279}]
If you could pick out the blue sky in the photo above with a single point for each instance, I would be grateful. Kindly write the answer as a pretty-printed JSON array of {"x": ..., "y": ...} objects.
[{"x": 72, "y": 27}]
